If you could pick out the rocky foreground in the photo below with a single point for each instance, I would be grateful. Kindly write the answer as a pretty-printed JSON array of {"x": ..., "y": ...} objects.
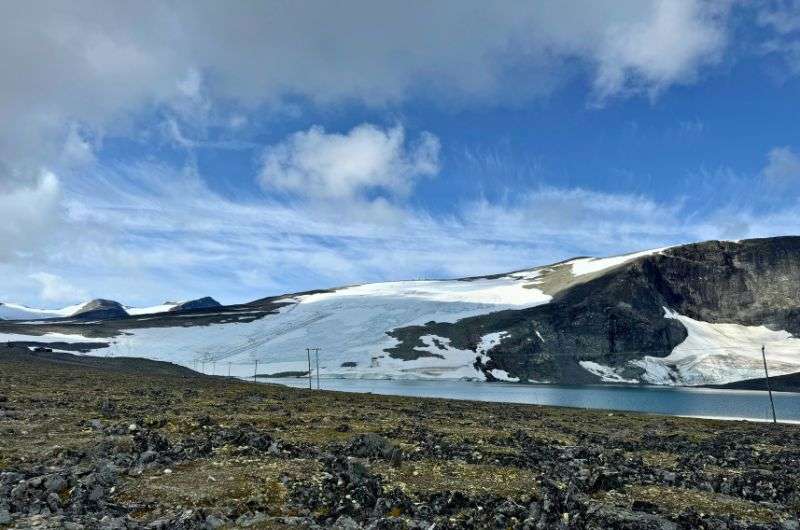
[{"x": 92, "y": 443}]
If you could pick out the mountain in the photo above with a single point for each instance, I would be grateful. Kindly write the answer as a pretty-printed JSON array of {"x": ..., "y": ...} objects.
[
  {"x": 100, "y": 309},
  {"x": 693, "y": 314},
  {"x": 93, "y": 309},
  {"x": 201, "y": 303},
  {"x": 687, "y": 315},
  {"x": 9, "y": 311}
]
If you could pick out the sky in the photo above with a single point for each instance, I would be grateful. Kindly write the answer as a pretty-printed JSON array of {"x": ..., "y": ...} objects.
[{"x": 156, "y": 151}]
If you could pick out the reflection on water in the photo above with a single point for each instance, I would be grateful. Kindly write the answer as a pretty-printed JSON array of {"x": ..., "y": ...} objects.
[{"x": 704, "y": 402}]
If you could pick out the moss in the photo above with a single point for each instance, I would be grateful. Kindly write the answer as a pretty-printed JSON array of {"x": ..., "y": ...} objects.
[
  {"x": 419, "y": 478},
  {"x": 658, "y": 459},
  {"x": 243, "y": 482},
  {"x": 676, "y": 500}
]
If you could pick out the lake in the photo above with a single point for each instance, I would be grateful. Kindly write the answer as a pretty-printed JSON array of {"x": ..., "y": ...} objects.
[{"x": 695, "y": 402}]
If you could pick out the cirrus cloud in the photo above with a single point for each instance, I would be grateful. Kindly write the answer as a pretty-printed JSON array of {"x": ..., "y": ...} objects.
[{"x": 783, "y": 168}]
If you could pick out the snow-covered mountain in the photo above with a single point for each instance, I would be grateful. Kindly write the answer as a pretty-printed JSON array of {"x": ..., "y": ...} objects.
[
  {"x": 99, "y": 309},
  {"x": 693, "y": 314},
  {"x": 9, "y": 311}
]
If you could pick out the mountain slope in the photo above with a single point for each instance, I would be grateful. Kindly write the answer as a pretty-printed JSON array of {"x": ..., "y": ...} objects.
[
  {"x": 694, "y": 314},
  {"x": 100, "y": 309},
  {"x": 9, "y": 311}
]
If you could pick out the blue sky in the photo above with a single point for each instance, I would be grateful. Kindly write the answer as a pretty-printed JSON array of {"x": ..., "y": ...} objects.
[{"x": 168, "y": 151}]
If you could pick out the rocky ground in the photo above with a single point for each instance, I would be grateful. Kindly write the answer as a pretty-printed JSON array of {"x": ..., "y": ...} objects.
[{"x": 109, "y": 444}]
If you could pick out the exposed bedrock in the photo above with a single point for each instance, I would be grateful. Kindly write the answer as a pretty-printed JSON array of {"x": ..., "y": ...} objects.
[
  {"x": 201, "y": 303},
  {"x": 100, "y": 309}
]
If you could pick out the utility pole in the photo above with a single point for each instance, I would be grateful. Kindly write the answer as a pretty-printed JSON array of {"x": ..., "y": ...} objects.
[
  {"x": 310, "y": 373},
  {"x": 229, "y": 368},
  {"x": 769, "y": 387},
  {"x": 316, "y": 352},
  {"x": 255, "y": 371},
  {"x": 308, "y": 352}
]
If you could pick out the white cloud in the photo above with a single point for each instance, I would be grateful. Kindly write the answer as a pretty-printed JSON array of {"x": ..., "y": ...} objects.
[
  {"x": 781, "y": 15},
  {"x": 55, "y": 289},
  {"x": 30, "y": 215},
  {"x": 165, "y": 227},
  {"x": 93, "y": 69},
  {"x": 173, "y": 132},
  {"x": 783, "y": 168},
  {"x": 169, "y": 230},
  {"x": 99, "y": 64},
  {"x": 77, "y": 151},
  {"x": 670, "y": 45},
  {"x": 323, "y": 165},
  {"x": 578, "y": 219}
]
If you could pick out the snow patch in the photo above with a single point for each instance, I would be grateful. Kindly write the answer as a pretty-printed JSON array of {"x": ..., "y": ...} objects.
[
  {"x": 161, "y": 308},
  {"x": 448, "y": 361},
  {"x": 20, "y": 312},
  {"x": 656, "y": 372},
  {"x": 508, "y": 291},
  {"x": 722, "y": 353},
  {"x": 50, "y": 337},
  {"x": 490, "y": 341},
  {"x": 605, "y": 373},
  {"x": 502, "y": 375},
  {"x": 583, "y": 266}
]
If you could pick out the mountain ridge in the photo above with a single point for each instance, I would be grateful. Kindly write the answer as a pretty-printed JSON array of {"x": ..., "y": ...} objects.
[
  {"x": 691, "y": 314},
  {"x": 100, "y": 308}
]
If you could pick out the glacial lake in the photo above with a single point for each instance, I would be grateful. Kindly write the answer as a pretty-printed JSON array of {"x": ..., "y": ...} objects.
[{"x": 696, "y": 402}]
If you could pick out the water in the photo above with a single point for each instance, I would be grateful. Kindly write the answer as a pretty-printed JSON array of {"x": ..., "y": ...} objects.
[{"x": 697, "y": 402}]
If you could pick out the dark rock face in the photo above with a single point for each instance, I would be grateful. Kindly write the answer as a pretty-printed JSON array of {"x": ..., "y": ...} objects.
[
  {"x": 101, "y": 309},
  {"x": 754, "y": 282},
  {"x": 619, "y": 316},
  {"x": 201, "y": 303}
]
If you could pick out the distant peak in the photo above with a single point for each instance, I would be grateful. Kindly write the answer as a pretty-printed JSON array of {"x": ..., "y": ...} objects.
[
  {"x": 201, "y": 303},
  {"x": 101, "y": 308}
]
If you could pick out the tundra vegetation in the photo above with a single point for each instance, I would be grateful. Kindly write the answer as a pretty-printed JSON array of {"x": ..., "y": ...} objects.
[{"x": 128, "y": 443}]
